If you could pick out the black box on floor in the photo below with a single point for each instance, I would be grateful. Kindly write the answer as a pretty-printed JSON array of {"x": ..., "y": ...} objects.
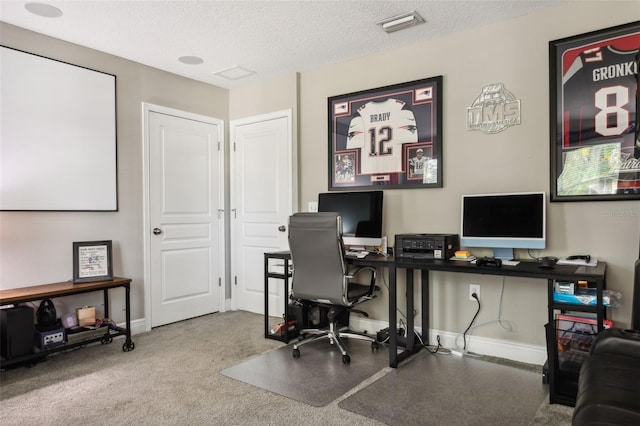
[
  {"x": 314, "y": 315},
  {"x": 16, "y": 331},
  {"x": 298, "y": 313}
]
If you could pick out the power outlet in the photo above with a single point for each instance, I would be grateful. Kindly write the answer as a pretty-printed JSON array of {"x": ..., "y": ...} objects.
[
  {"x": 474, "y": 288},
  {"x": 313, "y": 206}
]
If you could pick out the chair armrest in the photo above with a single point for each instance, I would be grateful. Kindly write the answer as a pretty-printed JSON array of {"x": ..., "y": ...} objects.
[{"x": 359, "y": 269}]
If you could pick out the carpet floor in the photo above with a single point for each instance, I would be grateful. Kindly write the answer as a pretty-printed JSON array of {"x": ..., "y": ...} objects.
[{"x": 173, "y": 378}]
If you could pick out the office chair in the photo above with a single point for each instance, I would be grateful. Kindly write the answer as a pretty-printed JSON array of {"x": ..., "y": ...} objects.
[{"x": 321, "y": 277}]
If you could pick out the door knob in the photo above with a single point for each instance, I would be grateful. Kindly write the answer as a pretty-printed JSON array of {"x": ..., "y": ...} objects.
[
  {"x": 157, "y": 231},
  {"x": 282, "y": 228}
]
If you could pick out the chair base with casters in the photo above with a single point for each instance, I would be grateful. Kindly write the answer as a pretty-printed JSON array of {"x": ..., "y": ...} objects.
[{"x": 335, "y": 334}]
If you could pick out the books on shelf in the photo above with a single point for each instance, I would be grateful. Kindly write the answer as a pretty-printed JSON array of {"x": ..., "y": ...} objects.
[
  {"x": 576, "y": 331},
  {"x": 609, "y": 298},
  {"x": 466, "y": 259},
  {"x": 463, "y": 255},
  {"x": 577, "y": 319}
]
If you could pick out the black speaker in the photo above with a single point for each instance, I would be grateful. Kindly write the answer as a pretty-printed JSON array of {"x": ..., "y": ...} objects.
[{"x": 16, "y": 331}]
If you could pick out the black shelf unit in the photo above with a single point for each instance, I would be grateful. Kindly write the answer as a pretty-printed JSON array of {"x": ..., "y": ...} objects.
[
  {"x": 564, "y": 363},
  {"x": 286, "y": 335}
]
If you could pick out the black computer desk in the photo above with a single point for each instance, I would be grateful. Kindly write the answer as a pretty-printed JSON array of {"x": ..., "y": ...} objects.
[
  {"x": 562, "y": 383},
  {"x": 562, "y": 387},
  {"x": 523, "y": 269}
]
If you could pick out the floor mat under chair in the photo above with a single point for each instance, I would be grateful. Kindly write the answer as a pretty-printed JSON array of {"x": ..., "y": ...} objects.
[
  {"x": 448, "y": 389},
  {"x": 318, "y": 376}
]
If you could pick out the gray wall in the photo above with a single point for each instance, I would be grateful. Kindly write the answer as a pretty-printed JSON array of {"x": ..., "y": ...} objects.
[
  {"x": 35, "y": 247},
  {"x": 514, "y": 52}
]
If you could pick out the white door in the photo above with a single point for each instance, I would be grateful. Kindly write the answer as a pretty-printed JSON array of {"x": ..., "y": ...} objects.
[
  {"x": 262, "y": 199},
  {"x": 184, "y": 230}
]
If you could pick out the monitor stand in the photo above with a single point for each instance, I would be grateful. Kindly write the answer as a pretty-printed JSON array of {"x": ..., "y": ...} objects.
[{"x": 503, "y": 253}]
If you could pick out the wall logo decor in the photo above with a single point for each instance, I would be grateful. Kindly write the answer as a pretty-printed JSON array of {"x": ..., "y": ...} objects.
[{"x": 493, "y": 110}]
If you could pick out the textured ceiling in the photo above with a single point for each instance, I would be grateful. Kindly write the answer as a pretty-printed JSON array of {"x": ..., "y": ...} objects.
[{"x": 269, "y": 37}]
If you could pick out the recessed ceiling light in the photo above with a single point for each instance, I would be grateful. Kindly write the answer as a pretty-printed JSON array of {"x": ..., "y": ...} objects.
[
  {"x": 190, "y": 60},
  {"x": 400, "y": 22},
  {"x": 43, "y": 9},
  {"x": 234, "y": 73}
]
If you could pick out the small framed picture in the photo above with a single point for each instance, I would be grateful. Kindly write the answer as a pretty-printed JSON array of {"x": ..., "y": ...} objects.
[{"x": 92, "y": 261}]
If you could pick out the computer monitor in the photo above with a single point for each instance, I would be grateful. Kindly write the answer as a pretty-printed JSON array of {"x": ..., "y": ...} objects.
[
  {"x": 504, "y": 222},
  {"x": 361, "y": 214}
]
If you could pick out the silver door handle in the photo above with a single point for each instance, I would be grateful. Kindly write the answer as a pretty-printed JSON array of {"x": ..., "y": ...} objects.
[
  {"x": 282, "y": 228},
  {"x": 157, "y": 231}
]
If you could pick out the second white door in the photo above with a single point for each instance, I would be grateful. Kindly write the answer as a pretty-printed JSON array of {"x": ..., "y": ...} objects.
[{"x": 262, "y": 199}]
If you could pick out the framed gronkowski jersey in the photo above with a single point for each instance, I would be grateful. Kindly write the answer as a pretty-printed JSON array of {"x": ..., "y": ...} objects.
[
  {"x": 595, "y": 140},
  {"x": 385, "y": 138}
]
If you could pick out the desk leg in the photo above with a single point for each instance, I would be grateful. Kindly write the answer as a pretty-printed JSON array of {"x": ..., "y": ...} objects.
[
  {"x": 410, "y": 337},
  {"x": 425, "y": 305},
  {"x": 128, "y": 344},
  {"x": 106, "y": 303},
  {"x": 393, "y": 305},
  {"x": 266, "y": 296}
]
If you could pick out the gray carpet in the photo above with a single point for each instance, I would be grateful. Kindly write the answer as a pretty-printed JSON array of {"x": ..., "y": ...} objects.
[
  {"x": 173, "y": 377},
  {"x": 447, "y": 389},
  {"x": 318, "y": 376}
]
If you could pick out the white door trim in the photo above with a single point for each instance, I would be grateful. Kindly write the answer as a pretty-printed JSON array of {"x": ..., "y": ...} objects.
[{"x": 146, "y": 226}]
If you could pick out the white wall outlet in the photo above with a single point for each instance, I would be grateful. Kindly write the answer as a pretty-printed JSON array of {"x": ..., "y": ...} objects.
[
  {"x": 312, "y": 207},
  {"x": 474, "y": 288}
]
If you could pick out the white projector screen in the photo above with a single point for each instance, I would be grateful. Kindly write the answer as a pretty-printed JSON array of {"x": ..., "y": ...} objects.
[{"x": 57, "y": 135}]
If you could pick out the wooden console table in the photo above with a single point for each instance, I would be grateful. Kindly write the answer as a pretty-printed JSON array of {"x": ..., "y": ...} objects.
[{"x": 50, "y": 291}]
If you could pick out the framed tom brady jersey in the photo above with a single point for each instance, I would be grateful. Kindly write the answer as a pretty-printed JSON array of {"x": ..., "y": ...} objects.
[
  {"x": 594, "y": 115},
  {"x": 388, "y": 137}
]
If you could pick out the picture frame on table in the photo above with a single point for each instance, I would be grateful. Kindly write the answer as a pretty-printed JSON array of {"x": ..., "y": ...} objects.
[
  {"x": 92, "y": 261},
  {"x": 386, "y": 138},
  {"x": 594, "y": 114}
]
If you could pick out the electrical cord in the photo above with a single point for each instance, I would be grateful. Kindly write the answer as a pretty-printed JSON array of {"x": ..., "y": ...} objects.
[
  {"x": 464, "y": 335},
  {"x": 506, "y": 325},
  {"x": 438, "y": 348}
]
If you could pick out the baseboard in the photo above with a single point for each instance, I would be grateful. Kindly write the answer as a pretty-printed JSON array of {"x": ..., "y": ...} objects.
[
  {"x": 515, "y": 351},
  {"x": 137, "y": 326},
  {"x": 508, "y": 349}
]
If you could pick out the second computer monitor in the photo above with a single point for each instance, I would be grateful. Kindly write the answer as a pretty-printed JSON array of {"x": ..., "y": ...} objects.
[{"x": 361, "y": 214}]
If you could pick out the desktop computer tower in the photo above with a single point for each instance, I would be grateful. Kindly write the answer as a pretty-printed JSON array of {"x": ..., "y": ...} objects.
[{"x": 17, "y": 329}]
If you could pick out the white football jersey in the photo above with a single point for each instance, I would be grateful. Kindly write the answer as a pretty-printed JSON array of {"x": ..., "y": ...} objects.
[{"x": 379, "y": 132}]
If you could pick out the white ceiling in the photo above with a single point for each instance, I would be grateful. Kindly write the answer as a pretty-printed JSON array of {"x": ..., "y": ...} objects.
[{"x": 269, "y": 37}]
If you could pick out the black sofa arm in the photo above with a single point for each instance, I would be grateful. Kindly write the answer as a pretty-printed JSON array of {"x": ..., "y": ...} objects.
[
  {"x": 609, "y": 381},
  {"x": 618, "y": 341}
]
